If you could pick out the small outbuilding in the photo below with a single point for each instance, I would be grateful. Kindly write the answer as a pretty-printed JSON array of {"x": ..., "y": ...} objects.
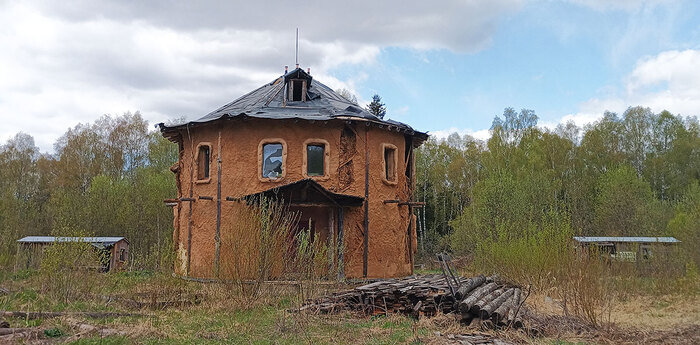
[
  {"x": 114, "y": 250},
  {"x": 627, "y": 249},
  {"x": 348, "y": 173}
]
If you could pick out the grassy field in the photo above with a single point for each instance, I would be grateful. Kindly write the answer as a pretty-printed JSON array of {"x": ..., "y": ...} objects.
[{"x": 172, "y": 311}]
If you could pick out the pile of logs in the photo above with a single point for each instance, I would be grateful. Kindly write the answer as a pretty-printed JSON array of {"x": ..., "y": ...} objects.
[{"x": 477, "y": 298}]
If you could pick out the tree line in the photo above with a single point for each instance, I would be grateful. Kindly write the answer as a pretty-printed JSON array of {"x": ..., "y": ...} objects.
[
  {"x": 635, "y": 174},
  {"x": 108, "y": 178}
]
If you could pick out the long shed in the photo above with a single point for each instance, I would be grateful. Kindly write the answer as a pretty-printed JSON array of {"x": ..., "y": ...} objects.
[
  {"x": 30, "y": 250},
  {"x": 630, "y": 249}
]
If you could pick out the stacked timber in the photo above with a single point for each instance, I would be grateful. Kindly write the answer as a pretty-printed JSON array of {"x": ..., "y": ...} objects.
[{"x": 476, "y": 298}]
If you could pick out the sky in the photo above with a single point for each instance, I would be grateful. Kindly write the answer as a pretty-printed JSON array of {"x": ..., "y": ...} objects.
[{"x": 439, "y": 67}]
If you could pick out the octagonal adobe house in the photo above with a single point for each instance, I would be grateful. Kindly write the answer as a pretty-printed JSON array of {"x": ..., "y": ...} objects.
[{"x": 348, "y": 174}]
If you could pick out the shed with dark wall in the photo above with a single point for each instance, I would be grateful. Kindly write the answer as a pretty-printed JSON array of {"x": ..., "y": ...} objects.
[
  {"x": 30, "y": 250},
  {"x": 626, "y": 249}
]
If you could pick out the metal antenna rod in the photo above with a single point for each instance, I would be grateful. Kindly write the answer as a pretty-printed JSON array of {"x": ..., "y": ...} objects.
[{"x": 296, "y": 51}]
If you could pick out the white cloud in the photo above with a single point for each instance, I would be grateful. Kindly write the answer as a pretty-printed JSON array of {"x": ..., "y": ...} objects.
[
  {"x": 669, "y": 81},
  {"x": 482, "y": 134},
  {"x": 625, "y": 5},
  {"x": 62, "y": 64},
  {"x": 401, "y": 111}
]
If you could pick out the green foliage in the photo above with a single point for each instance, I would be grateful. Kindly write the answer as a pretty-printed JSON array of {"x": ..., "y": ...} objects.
[
  {"x": 624, "y": 205},
  {"x": 109, "y": 178},
  {"x": 53, "y": 332},
  {"x": 68, "y": 268},
  {"x": 532, "y": 253},
  {"x": 685, "y": 225},
  {"x": 620, "y": 176}
]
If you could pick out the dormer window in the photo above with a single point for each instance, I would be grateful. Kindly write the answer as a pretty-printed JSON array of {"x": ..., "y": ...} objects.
[{"x": 297, "y": 90}]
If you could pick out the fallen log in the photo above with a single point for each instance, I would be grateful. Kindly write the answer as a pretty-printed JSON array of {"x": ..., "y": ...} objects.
[
  {"x": 421, "y": 296},
  {"x": 48, "y": 315},
  {"x": 476, "y": 308},
  {"x": 490, "y": 307},
  {"x": 468, "y": 286},
  {"x": 475, "y": 296},
  {"x": 515, "y": 308},
  {"x": 25, "y": 330},
  {"x": 501, "y": 313}
]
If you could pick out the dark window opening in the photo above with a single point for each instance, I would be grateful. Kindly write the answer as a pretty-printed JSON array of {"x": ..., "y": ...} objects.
[
  {"x": 409, "y": 157},
  {"x": 296, "y": 91},
  {"x": 122, "y": 255},
  {"x": 203, "y": 163},
  {"x": 314, "y": 159},
  {"x": 272, "y": 161},
  {"x": 390, "y": 163}
]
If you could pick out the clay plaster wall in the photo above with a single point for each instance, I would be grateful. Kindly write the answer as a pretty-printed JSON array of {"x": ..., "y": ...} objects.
[{"x": 238, "y": 142}]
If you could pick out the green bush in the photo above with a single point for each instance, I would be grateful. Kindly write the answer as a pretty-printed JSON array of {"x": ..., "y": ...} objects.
[
  {"x": 532, "y": 255},
  {"x": 68, "y": 270}
]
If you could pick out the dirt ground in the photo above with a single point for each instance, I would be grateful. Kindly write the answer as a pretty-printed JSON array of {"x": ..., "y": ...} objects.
[
  {"x": 641, "y": 319},
  {"x": 218, "y": 315}
]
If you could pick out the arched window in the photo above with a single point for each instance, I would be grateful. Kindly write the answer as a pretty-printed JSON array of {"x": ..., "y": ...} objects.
[
  {"x": 316, "y": 159},
  {"x": 390, "y": 161},
  {"x": 203, "y": 162},
  {"x": 272, "y": 154}
]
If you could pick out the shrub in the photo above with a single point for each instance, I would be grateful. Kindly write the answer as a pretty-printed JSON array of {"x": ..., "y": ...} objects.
[
  {"x": 264, "y": 244},
  {"x": 69, "y": 270},
  {"x": 531, "y": 256},
  {"x": 544, "y": 257}
]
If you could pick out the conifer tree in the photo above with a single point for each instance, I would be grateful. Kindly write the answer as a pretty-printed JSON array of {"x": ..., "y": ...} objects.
[{"x": 376, "y": 107}]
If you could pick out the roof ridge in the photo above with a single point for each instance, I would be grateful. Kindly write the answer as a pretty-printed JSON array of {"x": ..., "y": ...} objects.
[
  {"x": 322, "y": 103},
  {"x": 241, "y": 97}
]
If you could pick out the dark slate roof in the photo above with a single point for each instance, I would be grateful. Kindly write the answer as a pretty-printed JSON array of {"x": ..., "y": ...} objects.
[
  {"x": 99, "y": 242},
  {"x": 322, "y": 103},
  {"x": 585, "y": 239}
]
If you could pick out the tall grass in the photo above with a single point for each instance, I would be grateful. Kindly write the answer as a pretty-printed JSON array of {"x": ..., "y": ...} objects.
[
  {"x": 544, "y": 257},
  {"x": 263, "y": 244},
  {"x": 533, "y": 255},
  {"x": 70, "y": 270}
]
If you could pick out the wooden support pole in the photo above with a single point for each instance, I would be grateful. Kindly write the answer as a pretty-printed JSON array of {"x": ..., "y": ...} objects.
[
  {"x": 178, "y": 176},
  {"x": 404, "y": 203},
  {"x": 365, "y": 254},
  {"x": 341, "y": 265},
  {"x": 189, "y": 216},
  {"x": 217, "y": 236},
  {"x": 203, "y": 197},
  {"x": 230, "y": 198},
  {"x": 409, "y": 236},
  {"x": 188, "y": 199},
  {"x": 412, "y": 203}
]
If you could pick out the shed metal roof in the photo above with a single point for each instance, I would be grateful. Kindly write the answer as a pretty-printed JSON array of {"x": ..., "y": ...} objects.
[
  {"x": 586, "y": 239},
  {"x": 267, "y": 101},
  {"x": 99, "y": 242}
]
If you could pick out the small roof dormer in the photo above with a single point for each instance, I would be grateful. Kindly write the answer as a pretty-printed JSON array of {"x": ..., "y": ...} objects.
[{"x": 297, "y": 83}]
